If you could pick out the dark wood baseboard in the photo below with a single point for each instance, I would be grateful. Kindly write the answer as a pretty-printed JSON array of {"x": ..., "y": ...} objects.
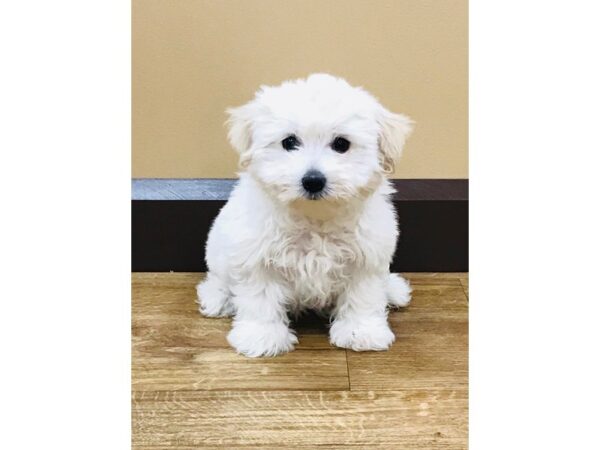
[{"x": 171, "y": 219}]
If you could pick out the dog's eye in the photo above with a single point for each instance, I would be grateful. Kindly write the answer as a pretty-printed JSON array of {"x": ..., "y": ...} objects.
[
  {"x": 340, "y": 145},
  {"x": 290, "y": 143}
]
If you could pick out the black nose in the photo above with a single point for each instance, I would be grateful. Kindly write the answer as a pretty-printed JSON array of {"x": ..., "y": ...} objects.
[{"x": 313, "y": 181}]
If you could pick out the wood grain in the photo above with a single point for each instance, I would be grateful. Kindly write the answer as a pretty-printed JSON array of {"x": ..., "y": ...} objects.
[
  {"x": 175, "y": 348},
  {"x": 223, "y": 369},
  {"x": 431, "y": 344},
  {"x": 191, "y": 390},
  {"x": 421, "y": 419}
]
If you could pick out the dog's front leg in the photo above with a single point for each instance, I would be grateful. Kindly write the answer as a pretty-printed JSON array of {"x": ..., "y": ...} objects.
[
  {"x": 260, "y": 325},
  {"x": 360, "y": 316}
]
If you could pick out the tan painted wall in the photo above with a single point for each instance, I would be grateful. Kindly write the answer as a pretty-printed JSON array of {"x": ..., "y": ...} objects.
[{"x": 193, "y": 58}]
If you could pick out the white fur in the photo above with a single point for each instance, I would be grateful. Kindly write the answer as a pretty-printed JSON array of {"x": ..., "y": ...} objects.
[
  {"x": 398, "y": 291},
  {"x": 272, "y": 252}
]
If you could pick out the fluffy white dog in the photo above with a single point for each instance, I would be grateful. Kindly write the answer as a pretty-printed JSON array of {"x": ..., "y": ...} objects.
[{"x": 310, "y": 224}]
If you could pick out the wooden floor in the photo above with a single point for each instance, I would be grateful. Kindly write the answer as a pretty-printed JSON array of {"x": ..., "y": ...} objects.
[{"x": 191, "y": 390}]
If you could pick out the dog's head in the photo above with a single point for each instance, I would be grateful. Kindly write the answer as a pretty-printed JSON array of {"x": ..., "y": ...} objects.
[{"x": 317, "y": 138}]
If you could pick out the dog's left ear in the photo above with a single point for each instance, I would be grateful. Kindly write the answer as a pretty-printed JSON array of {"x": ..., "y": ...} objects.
[{"x": 394, "y": 129}]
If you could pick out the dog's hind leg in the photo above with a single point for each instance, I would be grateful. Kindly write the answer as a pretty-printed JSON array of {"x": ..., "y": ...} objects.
[
  {"x": 214, "y": 297},
  {"x": 398, "y": 291}
]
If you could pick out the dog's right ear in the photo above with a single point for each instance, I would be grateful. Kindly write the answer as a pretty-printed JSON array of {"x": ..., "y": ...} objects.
[{"x": 240, "y": 129}]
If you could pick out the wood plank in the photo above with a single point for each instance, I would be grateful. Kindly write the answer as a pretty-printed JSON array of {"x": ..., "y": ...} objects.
[
  {"x": 190, "y": 390},
  {"x": 413, "y": 419},
  {"x": 165, "y": 317},
  {"x": 431, "y": 348},
  {"x": 223, "y": 369},
  {"x": 174, "y": 347}
]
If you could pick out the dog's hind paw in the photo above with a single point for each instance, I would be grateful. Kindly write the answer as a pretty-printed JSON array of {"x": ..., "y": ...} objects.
[
  {"x": 398, "y": 291},
  {"x": 213, "y": 298}
]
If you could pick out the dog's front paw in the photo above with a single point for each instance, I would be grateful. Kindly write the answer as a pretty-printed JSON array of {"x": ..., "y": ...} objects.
[
  {"x": 362, "y": 336},
  {"x": 256, "y": 339}
]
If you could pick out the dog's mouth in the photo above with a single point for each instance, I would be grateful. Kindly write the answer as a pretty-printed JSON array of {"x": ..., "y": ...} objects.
[
  {"x": 320, "y": 195},
  {"x": 315, "y": 196}
]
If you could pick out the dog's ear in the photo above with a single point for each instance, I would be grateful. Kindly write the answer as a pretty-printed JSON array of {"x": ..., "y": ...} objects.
[
  {"x": 240, "y": 129},
  {"x": 394, "y": 130}
]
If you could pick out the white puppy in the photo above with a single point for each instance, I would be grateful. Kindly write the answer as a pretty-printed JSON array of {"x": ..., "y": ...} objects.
[{"x": 310, "y": 224}]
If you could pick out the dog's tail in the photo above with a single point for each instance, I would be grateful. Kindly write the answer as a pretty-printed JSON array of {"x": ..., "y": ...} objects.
[{"x": 398, "y": 291}]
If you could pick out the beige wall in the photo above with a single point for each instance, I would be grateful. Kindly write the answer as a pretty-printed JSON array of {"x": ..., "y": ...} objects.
[{"x": 193, "y": 58}]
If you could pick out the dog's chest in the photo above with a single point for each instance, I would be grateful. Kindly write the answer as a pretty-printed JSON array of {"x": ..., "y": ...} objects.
[{"x": 317, "y": 265}]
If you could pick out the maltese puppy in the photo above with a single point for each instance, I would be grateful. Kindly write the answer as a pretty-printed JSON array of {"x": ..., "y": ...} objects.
[{"x": 310, "y": 224}]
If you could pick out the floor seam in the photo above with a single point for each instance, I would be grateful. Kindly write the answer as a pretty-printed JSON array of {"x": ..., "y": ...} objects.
[
  {"x": 464, "y": 289},
  {"x": 348, "y": 370}
]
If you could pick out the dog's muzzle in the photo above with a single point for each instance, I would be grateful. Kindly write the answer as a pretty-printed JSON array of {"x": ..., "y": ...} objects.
[{"x": 313, "y": 182}]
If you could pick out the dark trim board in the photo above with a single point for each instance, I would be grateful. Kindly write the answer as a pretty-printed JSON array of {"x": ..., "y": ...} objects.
[
  {"x": 220, "y": 188},
  {"x": 171, "y": 219}
]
